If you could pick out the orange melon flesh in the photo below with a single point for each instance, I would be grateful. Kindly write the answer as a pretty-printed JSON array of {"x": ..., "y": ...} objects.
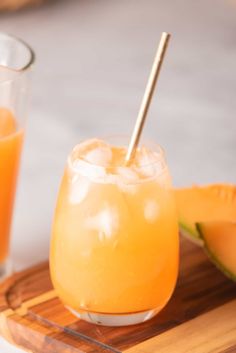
[
  {"x": 220, "y": 244},
  {"x": 216, "y": 202}
]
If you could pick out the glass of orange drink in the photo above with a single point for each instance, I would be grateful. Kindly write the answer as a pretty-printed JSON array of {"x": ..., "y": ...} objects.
[
  {"x": 16, "y": 59},
  {"x": 115, "y": 248}
]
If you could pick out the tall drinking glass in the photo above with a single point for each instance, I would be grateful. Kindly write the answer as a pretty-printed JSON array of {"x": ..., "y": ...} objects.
[
  {"x": 16, "y": 59},
  {"x": 114, "y": 251}
]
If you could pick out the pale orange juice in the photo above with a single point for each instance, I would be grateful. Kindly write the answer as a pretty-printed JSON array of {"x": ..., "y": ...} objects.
[
  {"x": 10, "y": 149},
  {"x": 114, "y": 250},
  {"x": 16, "y": 62}
]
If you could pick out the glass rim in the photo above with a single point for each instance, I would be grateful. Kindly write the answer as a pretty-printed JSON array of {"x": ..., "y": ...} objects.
[
  {"x": 159, "y": 155},
  {"x": 28, "y": 64}
]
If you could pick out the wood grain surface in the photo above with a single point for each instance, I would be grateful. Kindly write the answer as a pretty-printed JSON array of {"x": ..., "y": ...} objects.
[{"x": 200, "y": 317}]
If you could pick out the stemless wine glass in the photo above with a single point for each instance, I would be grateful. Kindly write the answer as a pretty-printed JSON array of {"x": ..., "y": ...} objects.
[
  {"x": 115, "y": 247},
  {"x": 16, "y": 59}
]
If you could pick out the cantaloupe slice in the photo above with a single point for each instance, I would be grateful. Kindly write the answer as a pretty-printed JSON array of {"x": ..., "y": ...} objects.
[
  {"x": 220, "y": 244},
  {"x": 197, "y": 204}
]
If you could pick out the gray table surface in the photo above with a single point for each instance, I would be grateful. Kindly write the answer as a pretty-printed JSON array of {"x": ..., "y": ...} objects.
[{"x": 93, "y": 59}]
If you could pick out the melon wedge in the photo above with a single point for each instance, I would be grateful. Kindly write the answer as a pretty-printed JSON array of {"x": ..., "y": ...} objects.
[
  {"x": 198, "y": 204},
  {"x": 220, "y": 245}
]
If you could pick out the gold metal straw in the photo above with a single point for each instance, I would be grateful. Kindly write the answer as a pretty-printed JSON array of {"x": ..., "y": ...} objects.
[{"x": 147, "y": 97}]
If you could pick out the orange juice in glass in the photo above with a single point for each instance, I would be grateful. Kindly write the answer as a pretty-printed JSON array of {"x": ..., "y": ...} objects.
[
  {"x": 115, "y": 247},
  {"x": 16, "y": 59}
]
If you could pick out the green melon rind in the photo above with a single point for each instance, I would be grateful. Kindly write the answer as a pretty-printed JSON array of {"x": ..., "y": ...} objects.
[
  {"x": 213, "y": 257},
  {"x": 190, "y": 233}
]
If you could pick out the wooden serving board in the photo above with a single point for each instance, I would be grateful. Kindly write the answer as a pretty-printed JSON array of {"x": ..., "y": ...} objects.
[{"x": 200, "y": 317}]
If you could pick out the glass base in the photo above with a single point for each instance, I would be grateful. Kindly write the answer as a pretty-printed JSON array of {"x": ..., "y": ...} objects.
[
  {"x": 115, "y": 319},
  {"x": 5, "y": 269}
]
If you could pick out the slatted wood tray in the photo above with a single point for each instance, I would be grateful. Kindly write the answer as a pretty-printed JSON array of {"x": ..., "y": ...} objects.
[{"x": 200, "y": 317}]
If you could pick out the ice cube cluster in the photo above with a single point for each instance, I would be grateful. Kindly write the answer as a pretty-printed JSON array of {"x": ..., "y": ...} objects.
[{"x": 101, "y": 162}]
